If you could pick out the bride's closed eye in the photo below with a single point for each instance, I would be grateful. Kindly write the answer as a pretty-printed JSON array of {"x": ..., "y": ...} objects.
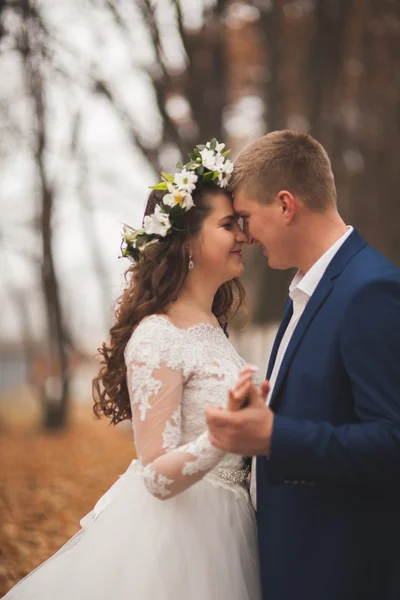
[{"x": 233, "y": 225}]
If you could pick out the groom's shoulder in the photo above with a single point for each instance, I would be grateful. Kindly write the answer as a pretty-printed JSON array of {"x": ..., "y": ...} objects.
[
  {"x": 369, "y": 267},
  {"x": 371, "y": 264}
]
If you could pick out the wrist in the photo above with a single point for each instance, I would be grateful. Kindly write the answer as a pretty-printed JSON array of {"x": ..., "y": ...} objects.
[{"x": 268, "y": 433}]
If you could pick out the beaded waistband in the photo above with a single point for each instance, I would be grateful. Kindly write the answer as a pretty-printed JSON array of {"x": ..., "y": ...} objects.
[{"x": 239, "y": 477}]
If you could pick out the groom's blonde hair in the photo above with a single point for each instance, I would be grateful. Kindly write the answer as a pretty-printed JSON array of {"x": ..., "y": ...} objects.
[{"x": 286, "y": 160}]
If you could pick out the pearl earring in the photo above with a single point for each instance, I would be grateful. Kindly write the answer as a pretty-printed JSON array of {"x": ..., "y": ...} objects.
[{"x": 191, "y": 265}]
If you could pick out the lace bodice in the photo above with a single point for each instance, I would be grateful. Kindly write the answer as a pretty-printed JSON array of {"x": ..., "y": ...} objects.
[{"x": 172, "y": 374}]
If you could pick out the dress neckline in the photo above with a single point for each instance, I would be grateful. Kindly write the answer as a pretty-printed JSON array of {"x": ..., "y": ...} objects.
[{"x": 196, "y": 327}]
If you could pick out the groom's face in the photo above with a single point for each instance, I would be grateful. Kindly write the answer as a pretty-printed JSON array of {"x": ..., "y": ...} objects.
[{"x": 264, "y": 227}]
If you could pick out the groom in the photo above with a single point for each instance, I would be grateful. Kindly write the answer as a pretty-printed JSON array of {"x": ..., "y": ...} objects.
[{"x": 327, "y": 435}]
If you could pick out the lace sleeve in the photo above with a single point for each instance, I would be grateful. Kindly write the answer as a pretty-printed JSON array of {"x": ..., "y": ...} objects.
[{"x": 156, "y": 374}]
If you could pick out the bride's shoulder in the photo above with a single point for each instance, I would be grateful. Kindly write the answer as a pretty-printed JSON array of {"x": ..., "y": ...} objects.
[
  {"x": 155, "y": 322},
  {"x": 154, "y": 333}
]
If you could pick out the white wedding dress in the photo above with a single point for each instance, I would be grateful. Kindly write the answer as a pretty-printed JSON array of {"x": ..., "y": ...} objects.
[{"x": 178, "y": 524}]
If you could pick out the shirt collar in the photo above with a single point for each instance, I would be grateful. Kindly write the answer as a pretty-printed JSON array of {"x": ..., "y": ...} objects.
[{"x": 307, "y": 282}]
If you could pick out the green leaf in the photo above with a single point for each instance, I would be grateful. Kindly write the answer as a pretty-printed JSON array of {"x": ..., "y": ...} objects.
[
  {"x": 215, "y": 175},
  {"x": 213, "y": 144},
  {"x": 201, "y": 147},
  {"x": 176, "y": 212},
  {"x": 139, "y": 231},
  {"x": 179, "y": 166},
  {"x": 128, "y": 227},
  {"x": 225, "y": 154},
  {"x": 167, "y": 177},
  {"x": 208, "y": 176},
  {"x": 199, "y": 171},
  {"x": 159, "y": 186}
]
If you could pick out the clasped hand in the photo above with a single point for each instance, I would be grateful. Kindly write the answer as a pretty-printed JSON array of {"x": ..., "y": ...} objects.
[{"x": 246, "y": 431}]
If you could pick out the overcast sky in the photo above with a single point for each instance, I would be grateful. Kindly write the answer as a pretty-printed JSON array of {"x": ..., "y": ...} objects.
[
  {"x": 85, "y": 39},
  {"x": 119, "y": 177}
]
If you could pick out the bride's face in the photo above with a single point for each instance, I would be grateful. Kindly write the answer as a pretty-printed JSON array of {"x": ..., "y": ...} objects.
[{"x": 217, "y": 249}]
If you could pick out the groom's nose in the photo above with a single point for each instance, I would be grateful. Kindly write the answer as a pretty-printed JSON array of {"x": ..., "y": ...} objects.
[
  {"x": 249, "y": 239},
  {"x": 242, "y": 237}
]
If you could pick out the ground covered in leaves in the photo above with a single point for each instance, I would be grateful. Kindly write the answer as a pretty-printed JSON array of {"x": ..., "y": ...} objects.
[{"x": 48, "y": 482}]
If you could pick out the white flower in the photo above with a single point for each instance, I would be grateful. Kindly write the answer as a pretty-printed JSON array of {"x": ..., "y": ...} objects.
[
  {"x": 228, "y": 166},
  {"x": 184, "y": 199},
  {"x": 223, "y": 180},
  {"x": 187, "y": 203},
  {"x": 208, "y": 159},
  {"x": 225, "y": 173},
  {"x": 214, "y": 161},
  {"x": 158, "y": 223},
  {"x": 219, "y": 162},
  {"x": 218, "y": 147},
  {"x": 185, "y": 181},
  {"x": 169, "y": 199}
]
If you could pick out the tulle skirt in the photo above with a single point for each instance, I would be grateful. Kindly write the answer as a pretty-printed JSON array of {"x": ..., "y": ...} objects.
[{"x": 199, "y": 545}]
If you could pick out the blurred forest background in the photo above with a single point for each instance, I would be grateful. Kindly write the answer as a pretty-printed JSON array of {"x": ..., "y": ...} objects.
[{"x": 98, "y": 96}]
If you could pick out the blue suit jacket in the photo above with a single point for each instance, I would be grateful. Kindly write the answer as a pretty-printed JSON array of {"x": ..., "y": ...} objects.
[{"x": 329, "y": 496}]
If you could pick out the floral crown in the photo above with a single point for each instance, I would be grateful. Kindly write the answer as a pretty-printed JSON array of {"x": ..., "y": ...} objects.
[{"x": 208, "y": 164}]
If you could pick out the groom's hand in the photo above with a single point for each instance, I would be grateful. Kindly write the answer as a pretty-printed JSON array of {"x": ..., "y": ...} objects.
[{"x": 246, "y": 431}]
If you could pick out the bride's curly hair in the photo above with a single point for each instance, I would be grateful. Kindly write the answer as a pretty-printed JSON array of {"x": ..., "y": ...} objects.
[{"x": 153, "y": 282}]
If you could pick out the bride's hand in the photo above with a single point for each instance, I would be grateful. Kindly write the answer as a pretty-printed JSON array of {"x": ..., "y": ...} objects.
[
  {"x": 246, "y": 431},
  {"x": 238, "y": 396}
]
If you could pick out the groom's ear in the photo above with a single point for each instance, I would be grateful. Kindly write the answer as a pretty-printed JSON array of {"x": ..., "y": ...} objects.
[{"x": 287, "y": 205}]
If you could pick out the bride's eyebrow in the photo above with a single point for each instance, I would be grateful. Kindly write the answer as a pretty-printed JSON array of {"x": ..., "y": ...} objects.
[{"x": 230, "y": 217}]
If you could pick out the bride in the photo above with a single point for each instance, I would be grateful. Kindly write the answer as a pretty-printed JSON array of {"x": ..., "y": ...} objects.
[{"x": 178, "y": 525}]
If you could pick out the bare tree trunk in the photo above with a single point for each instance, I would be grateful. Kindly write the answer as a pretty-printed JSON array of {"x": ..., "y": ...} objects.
[
  {"x": 20, "y": 300},
  {"x": 2, "y": 7},
  {"x": 333, "y": 71},
  {"x": 57, "y": 390},
  {"x": 371, "y": 152}
]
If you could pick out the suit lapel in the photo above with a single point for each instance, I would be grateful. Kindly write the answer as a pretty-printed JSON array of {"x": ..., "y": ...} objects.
[
  {"x": 287, "y": 315},
  {"x": 351, "y": 246},
  {"x": 317, "y": 299}
]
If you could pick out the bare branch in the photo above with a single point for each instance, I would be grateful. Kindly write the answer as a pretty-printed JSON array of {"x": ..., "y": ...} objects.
[
  {"x": 149, "y": 18},
  {"x": 103, "y": 89}
]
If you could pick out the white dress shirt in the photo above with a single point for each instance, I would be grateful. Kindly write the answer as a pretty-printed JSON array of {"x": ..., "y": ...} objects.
[{"x": 300, "y": 291}]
